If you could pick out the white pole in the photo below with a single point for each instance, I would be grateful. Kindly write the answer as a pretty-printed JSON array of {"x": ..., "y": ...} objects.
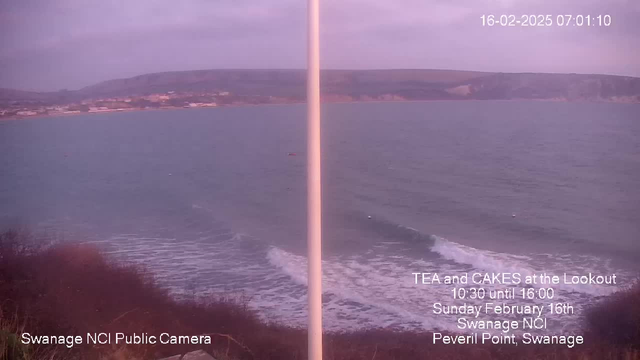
[{"x": 314, "y": 235}]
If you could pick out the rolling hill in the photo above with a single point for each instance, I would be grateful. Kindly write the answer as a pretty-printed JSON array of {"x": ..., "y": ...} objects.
[{"x": 356, "y": 85}]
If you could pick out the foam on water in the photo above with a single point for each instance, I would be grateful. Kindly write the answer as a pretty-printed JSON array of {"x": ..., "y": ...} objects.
[
  {"x": 383, "y": 285},
  {"x": 380, "y": 293},
  {"x": 274, "y": 279},
  {"x": 374, "y": 288},
  {"x": 525, "y": 265}
]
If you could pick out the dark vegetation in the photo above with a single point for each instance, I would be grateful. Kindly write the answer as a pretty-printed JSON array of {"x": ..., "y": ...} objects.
[
  {"x": 71, "y": 289},
  {"x": 617, "y": 318}
]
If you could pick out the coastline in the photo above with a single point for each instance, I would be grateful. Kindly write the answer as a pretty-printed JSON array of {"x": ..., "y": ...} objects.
[{"x": 43, "y": 116}]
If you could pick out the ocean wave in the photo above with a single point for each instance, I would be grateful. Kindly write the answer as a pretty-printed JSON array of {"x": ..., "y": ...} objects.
[
  {"x": 497, "y": 262},
  {"x": 384, "y": 291},
  {"x": 372, "y": 288}
]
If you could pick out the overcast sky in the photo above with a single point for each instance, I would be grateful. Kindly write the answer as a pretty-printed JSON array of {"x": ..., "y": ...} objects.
[{"x": 56, "y": 44}]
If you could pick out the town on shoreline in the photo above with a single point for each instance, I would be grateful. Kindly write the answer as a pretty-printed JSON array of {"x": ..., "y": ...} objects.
[
  {"x": 172, "y": 101},
  {"x": 214, "y": 88},
  {"x": 168, "y": 100}
]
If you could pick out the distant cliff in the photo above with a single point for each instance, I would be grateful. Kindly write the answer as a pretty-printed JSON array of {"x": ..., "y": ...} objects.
[{"x": 356, "y": 85}]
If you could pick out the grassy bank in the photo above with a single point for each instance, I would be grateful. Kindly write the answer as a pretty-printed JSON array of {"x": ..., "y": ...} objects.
[{"x": 68, "y": 289}]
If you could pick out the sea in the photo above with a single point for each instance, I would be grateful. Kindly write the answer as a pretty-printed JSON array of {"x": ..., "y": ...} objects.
[{"x": 213, "y": 201}]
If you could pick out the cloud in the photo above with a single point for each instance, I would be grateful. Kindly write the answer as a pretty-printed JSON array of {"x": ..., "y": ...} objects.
[{"x": 48, "y": 44}]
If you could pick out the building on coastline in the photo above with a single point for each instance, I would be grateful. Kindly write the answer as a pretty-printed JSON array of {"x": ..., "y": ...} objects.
[
  {"x": 202, "y": 105},
  {"x": 26, "y": 113}
]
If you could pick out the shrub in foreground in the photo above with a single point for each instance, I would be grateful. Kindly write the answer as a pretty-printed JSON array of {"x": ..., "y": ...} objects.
[
  {"x": 617, "y": 318},
  {"x": 72, "y": 289}
]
